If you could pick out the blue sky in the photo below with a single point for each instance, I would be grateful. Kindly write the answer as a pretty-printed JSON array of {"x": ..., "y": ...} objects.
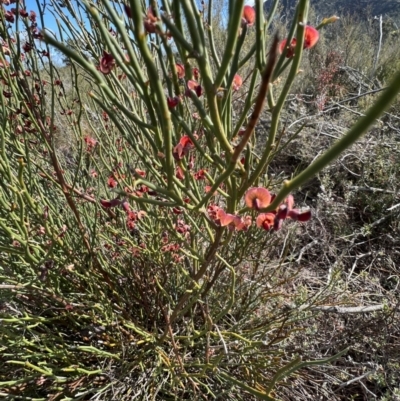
[{"x": 49, "y": 19}]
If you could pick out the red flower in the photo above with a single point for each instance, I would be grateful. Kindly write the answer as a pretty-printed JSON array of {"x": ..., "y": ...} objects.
[
  {"x": 237, "y": 82},
  {"x": 23, "y": 13},
  {"x": 111, "y": 182},
  {"x": 32, "y": 16},
  {"x": 257, "y": 198},
  {"x": 200, "y": 175},
  {"x": 173, "y": 101},
  {"x": 193, "y": 86},
  {"x": 180, "y": 70},
  {"x": 232, "y": 221},
  {"x": 244, "y": 224},
  {"x": 311, "y": 37},
  {"x": 227, "y": 219},
  {"x": 150, "y": 21},
  {"x": 196, "y": 73},
  {"x": 285, "y": 208},
  {"x": 90, "y": 143},
  {"x": 212, "y": 210},
  {"x": 110, "y": 203},
  {"x": 248, "y": 16},
  {"x": 107, "y": 63},
  {"x": 37, "y": 34},
  {"x": 181, "y": 227},
  {"x": 265, "y": 221},
  {"x": 9, "y": 16},
  {"x": 182, "y": 149},
  {"x": 139, "y": 172},
  {"x": 27, "y": 47},
  {"x": 207, "y": 188}
]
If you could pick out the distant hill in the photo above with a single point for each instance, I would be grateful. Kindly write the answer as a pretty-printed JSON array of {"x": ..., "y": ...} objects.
[{"x": 361, "y": 8}]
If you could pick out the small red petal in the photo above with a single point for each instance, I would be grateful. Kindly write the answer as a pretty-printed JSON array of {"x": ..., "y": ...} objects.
[
  {"x": 224, "y": 218},
  {"x": 299, "y": 215},
  {"x": 305, "y": 216},
  {"x": 282, "y": 212}
]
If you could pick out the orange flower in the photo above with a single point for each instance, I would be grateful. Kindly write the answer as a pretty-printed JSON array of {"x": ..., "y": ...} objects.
[
  {"x": 237, "y": 82},
  {"x": 311, "y": 36},
  {"x": 266, "y": 221},
  {"x": 257, "y": 198},
  {"x": 248, "y": 16},
  {"x": 182, "y": 149},
  {"x": 232, "y": 221}
]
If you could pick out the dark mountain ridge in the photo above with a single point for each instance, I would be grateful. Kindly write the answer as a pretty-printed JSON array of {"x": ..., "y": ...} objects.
[{"x": 359, "y": 8}]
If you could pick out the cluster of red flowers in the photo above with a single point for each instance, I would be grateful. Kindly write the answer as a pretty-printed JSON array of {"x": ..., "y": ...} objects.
[
  {"x": 131, "y": 216},
  {"x": 311, "y": 36},
  {"x": 172, "y": 247},
  {"x": 259, "y": 198},
  {"x": 149, "y": 20}
]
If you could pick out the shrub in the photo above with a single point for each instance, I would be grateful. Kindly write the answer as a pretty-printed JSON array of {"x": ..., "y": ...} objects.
[{"x": 148, "y": 257}]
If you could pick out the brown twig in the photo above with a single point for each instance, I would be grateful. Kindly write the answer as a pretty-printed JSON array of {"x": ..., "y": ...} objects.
[{"x": 259, "y": 105}]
